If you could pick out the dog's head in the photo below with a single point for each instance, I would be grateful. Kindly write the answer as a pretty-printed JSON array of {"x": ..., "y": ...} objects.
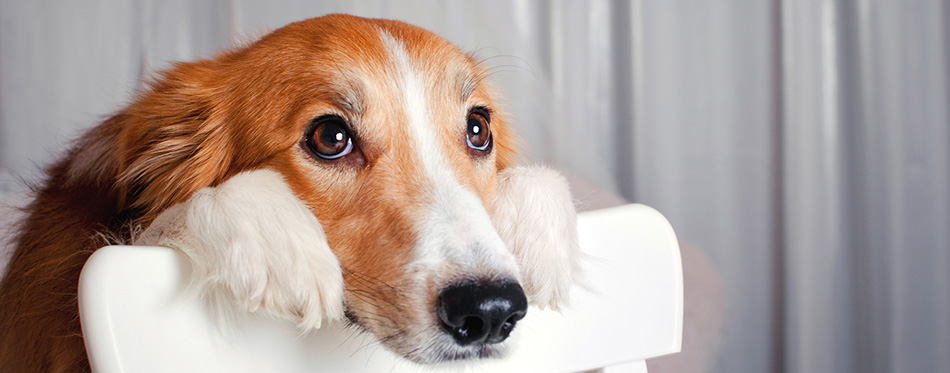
[{"x": 391, "y": 137}]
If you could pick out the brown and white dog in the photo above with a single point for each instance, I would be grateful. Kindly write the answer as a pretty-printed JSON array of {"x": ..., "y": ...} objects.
[{"x": 339, "y": 168}]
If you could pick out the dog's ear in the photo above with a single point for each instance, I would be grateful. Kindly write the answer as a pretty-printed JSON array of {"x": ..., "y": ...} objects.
[
  {"x": 254, "y": 245},
  {"x": 534, "y": 214},
  {"x": 172, "y": 141}
]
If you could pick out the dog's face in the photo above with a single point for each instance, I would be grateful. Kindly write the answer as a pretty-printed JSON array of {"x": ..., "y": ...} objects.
[
  {"x": 397, "y": 144},
  {"x": 391, "y": 138}
]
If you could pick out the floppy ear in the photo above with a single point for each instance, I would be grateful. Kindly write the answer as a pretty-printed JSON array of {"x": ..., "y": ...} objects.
[
  {"x": 254, "y": 245},
  {"x": 172, "y": 139},
  {"x": 168, "y": 143},
  {"x": 534, "y": 214}
]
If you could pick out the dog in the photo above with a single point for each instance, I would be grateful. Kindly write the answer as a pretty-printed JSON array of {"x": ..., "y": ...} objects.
[{"x": 339, "y": 169}]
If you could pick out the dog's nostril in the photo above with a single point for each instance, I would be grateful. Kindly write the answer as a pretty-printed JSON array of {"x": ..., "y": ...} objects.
[
  {"x": 472, "y": 328},
  {"x": 481, "y": 313}
]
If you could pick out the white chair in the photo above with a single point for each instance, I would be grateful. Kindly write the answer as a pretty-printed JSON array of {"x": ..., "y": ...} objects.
[{"x": 137, "y": 317}]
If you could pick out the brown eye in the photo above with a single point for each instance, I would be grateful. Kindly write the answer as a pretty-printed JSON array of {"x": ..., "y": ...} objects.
[
  {"x": 479, "y": 134},
  {"x": 328, "y": 138}
]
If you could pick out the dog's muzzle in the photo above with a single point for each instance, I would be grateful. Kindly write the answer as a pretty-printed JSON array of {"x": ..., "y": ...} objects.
[{"x": 481, "y": 313}]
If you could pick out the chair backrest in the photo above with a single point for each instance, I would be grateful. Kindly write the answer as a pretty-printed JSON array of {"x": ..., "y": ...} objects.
[{"x": 137, "y": 317}]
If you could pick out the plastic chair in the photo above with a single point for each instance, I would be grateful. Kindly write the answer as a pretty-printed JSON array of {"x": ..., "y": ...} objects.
[{"x": 137, "y": 317}]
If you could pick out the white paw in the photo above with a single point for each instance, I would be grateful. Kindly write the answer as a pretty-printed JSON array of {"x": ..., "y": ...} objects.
[
  {"x": 254, "y": 245},
  {"x": 534, "y": 214}
]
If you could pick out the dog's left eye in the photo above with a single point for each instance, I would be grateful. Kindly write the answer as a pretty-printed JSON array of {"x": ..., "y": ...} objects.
[
  {"x": 328, "y": 138},
  {"x": 479, "y": 134}
]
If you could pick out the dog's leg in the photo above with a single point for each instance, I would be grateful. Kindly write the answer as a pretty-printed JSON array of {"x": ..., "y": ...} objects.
[
  {"x": 253, "y": 244},
  {"x": 534, "y": 214}
]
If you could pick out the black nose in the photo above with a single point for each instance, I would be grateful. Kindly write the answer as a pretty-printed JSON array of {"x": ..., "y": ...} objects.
[{"x": 481, "y": 313}]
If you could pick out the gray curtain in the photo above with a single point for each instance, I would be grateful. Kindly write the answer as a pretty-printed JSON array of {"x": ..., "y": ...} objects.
[{"x": 802, "y": 146}]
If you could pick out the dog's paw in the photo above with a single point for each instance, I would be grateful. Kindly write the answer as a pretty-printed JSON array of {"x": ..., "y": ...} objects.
[
  {"x": 254, "y": 245},
  {"x": 534, "y": 214}
]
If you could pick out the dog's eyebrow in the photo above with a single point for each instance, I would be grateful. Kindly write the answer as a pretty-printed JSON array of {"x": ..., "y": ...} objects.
[
  {"x": 467, "y": 84},
  {"x": 350, "y": 97}
]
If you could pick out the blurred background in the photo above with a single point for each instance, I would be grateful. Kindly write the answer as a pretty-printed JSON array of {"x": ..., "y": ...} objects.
[{"x": 801, "y": 146}]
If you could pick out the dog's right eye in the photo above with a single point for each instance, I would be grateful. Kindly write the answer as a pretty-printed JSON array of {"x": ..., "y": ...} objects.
[{"x": 328, "y": 137}]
